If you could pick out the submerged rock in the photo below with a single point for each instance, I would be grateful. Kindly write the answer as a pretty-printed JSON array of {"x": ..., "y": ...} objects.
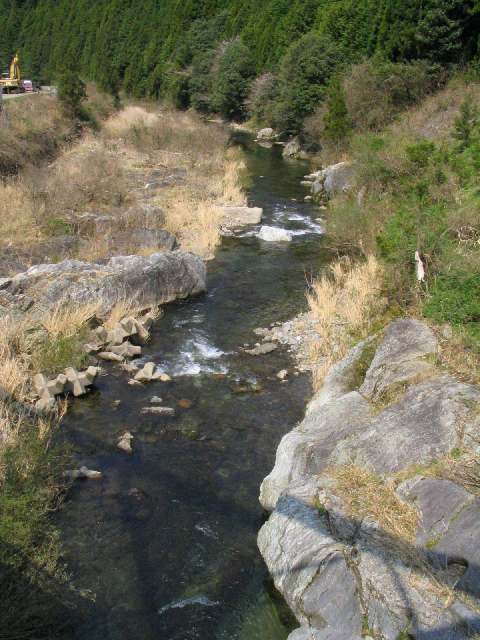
[
  {"x": 262, "y": 349},
  {"x": 83, "y": 473},
  {"x": 159, "y": 411}
]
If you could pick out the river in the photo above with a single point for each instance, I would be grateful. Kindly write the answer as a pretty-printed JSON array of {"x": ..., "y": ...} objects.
[{"x": 164, "y": 546}]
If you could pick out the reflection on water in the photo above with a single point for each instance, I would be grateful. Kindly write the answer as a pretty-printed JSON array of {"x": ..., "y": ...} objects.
[{"x": 164, "y": 546}]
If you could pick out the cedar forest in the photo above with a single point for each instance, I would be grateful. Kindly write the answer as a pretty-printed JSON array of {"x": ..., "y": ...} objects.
[{"x": 207, "y": 53}]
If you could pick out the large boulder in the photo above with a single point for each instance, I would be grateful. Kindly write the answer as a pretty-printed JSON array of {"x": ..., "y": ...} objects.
[
  {"x": 337, "y": 178},
  {"x": 421, "y": 426},
  {"x": 239, "y": 216},
  {"x": 266, "y": 134},
  {"x": 346, "y": 577},
  {"x": 144, "y": 281},
  {"x": 406, "y": 353},
  {"x": 448, "y": 527},
  {"x": 293, "y": 149},
  {"x": 347, "y": 422}
]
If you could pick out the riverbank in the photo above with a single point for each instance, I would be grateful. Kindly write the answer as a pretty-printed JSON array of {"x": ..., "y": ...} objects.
[
  {"x": 374, "y": 495},
  {"x": 150, "y": 185}
]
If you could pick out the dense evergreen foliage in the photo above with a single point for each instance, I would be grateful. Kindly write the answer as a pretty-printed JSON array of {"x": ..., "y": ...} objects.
[{"x": 207, "y": 52}]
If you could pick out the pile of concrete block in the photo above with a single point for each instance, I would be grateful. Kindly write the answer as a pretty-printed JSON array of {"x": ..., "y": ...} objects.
[
  {"x": 71, "y": 381},
  {"x": 115, "y": 345}
]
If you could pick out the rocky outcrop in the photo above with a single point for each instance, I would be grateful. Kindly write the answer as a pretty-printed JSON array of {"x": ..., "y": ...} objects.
[
  {"x": 146, "y": 281},
  {"x": 337, "y": 178},
  {"x": 346, "y": 576},
  {"x": 266, "y": 135},
  {"x": 293, "y": 149}
]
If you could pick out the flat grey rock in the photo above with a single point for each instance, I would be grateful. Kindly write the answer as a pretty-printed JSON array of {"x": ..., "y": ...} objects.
[
  {"x": 306, "y": 450},
  {"x": 263, "y": 349},
  {"x": 309, "y": 567},
  {"x": 400, "y": 357},
  {"x": 422, "y": 426},
  {"x": 240, "y": 216},
  {"x": 144, "y": 280}
]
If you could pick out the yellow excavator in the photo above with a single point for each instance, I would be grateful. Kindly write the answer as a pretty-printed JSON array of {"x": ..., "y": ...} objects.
[{"x": 11, "y": 82}]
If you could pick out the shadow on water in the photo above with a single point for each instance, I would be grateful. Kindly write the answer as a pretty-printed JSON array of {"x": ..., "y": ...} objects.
[
  {"x": 33, "y": 604},
  {"x": 167, "y": 539}
]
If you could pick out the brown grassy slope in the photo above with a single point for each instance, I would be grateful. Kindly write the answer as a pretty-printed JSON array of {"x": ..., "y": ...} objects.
[
  {"x": 31, "y": 128},
  {"x": 95, "y": 174}
]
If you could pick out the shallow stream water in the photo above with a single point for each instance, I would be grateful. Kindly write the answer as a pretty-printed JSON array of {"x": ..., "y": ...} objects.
[{"x": 164, "y": 546}]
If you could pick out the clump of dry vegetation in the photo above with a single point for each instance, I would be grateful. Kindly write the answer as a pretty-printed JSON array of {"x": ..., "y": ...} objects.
[
  {"x": 343, "y": 303},
  {"x": 101, "y": 174},
  {"x": 366, "y": 495},
  {"x": 184, "y": 142},
  {"x": 30, "y": 130}
]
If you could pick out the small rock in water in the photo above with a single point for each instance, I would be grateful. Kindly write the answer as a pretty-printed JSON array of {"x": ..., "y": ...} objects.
[
  {"x": 83, "y": 472},
  {"x": 125, "y": 442},
  {"x": 149, "y": 373},
  {"x": 129, "y": 367},
  {"x": 108, "y": 356},
  {"x": 185, "y": 403},
  {"x": 156, "y": 400},
  {"x": 134, "y": 383},
  {"x": 159, "y": 411},
  {"x": 262, "y": 349},
  {"x": 283, "y": 374},
  {"x": 274, "y": 234}
]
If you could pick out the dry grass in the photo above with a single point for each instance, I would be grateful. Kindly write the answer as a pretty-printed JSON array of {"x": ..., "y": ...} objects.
[
  {"x": 91, "y": 176},
  {"x": 14, "y": 359},
  {"x": 30, "y": 128},
  {"x": 435, "y": 116},
  {"x": 461, "y": 467},
  {"x": 67, "y": 321},
  {"x": 343, "y": 304},
  {"x": 17, "y": 214},
  {"x": 366, "y": 495},
  {"x": 123, "y": 124},
  {"x": 212, "y": 176},
  {"x": 456, "y": 355}
]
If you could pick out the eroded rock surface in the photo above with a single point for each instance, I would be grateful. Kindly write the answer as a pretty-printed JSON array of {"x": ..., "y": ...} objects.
[
  {"x": 146, "y": 281},
  {"x": 347, "y": 577}
]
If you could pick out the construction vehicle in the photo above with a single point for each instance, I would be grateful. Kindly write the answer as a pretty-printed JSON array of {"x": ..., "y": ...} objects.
[{"x": 11, "y": 81}]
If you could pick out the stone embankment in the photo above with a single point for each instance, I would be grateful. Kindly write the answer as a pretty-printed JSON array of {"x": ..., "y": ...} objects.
[{"x": 345, "y": 569}]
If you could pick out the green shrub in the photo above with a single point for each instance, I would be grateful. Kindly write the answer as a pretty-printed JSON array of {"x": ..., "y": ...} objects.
[
  {"x": 72, "y": 92},
  {"x": 337, "y": 121},
  {"x": 455, "y": 298},
  {"x": 377, "y": 90},
  {"x": 232, "y": 80},
  {"x": 305, "y": 72},
  {"x": 466, "y": 124},
  {"x": 31, "y": 575},
  {"x": 420, "y": 154},
  {"x": 53, "y": 354}
]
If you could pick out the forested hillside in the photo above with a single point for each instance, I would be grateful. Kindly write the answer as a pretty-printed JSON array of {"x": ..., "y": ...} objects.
[{"x": 207, "y": 53}]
